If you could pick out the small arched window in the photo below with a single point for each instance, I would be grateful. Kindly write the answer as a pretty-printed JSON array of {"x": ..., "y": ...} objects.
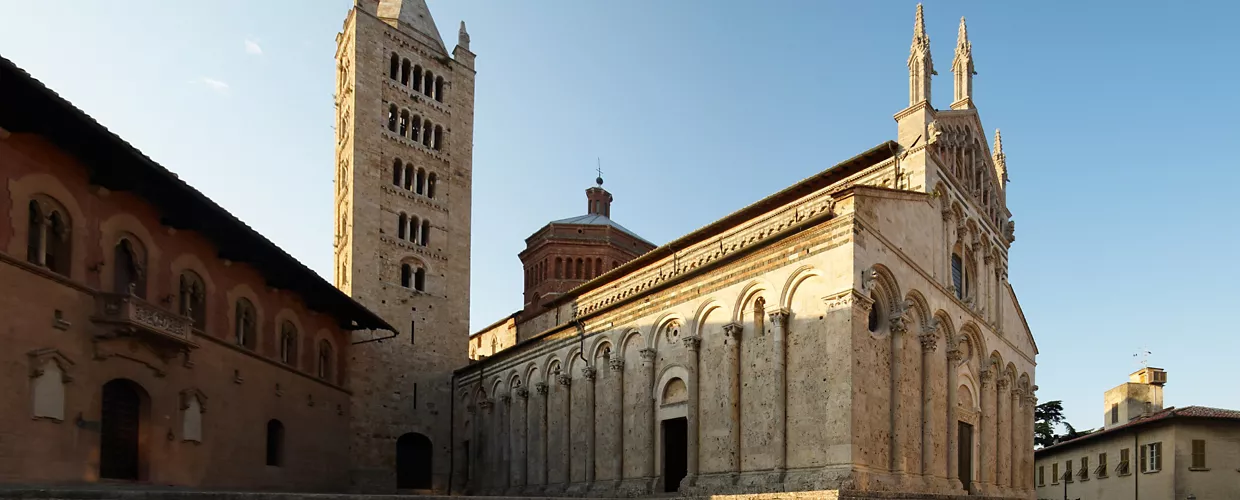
[
  {"x": 431, "y": 180},
  {"x": 397, "y": 170},
  {"x": 246, "y": 327},
  {"x": 129, "y": 264},
  {"x": 579, "y": 272},
  {"x": 394, "y": 71},
  {"x": 598, "y": 266},
  {"x": 325, "y": 364},
  {"x": 439, "y": 88},
  {"x": 403, "y": 129},
  {"x": 428, "y": 84},
  {"x": 958, "y": 275},
  {"x": 614, "y": 264},
  {"x": 408, "y": 176},
  {"x": 559, "y": 268},
  {"x": 438, "y": 137},
  {"x": 288, "y": 343},
  {"x": 872, "y": 322},
  {"x": 416, "y": 132},
  {"x": 275, "y": 443},
  {"x": 402, "y": 225},
  {"x": 48, "y": 235},
  {"x": 193, "y": 299},
  {"x": 589, "y": 269},
  {"x": 404, "y": 72},
  {"x": 426, "y": 133},
  {"x": 426, "y": 232},
  {"x": 421, "y": 181},
  {"x": 392, "y": 117},
  {"x": 419, "y": 280},
  {"x": 759, "y": 316},
  {"x": 406, "y": 275},
  {"x": 417, "y": 77}
]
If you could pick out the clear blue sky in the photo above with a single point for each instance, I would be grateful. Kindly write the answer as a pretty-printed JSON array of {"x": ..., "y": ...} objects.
[{"x": 1119, "y": 122}]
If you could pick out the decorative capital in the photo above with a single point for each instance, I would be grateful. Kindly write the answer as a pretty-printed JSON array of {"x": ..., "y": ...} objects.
[
  {"x": 564, "y": 379},
  {"x": 899, "y": 325},
  {"x": 693, "y": 343},
  {"x": 1002, "y": 383},
  {"x": 986, "y": 376},
  {"x": 616, "y": 364},
  {"x": 1033, "y": 400},
  {"x": 955, "y": 355},
  {"x": 647, "y": 354},
  {"x": 588, "y": 373},
  {"x": 779, "y": 317},
  {"x": 733, "y": 330},
  {"x": 541, "y": 388},
  {"x": 486, "y": 404},
  {"x": 506, "y": 399},
  {"x": 523, "y": 393},
  {"x": 929, "y": 337}
]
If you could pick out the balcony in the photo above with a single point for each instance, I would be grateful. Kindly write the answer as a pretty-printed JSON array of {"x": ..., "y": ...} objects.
[{"x": 130, "y": 315}]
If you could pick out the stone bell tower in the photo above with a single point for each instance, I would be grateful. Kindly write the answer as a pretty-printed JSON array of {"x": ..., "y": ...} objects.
[{"x": 404, "y": 132}]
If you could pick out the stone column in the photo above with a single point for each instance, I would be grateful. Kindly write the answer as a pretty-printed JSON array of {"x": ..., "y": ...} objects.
[
  {"x": 484, "y": 445},
  {"x": 732, "y": 333},
  {"x": 648, "y": 405},
  {"x": 521, "y": 456},
  {"x": 1016, "y": 443},
  {"x": 779, "y": 327},
  {"x": 616, "y": 363},
  {"x": 984, "y": 459},
  {"x": 505, "y": 441},
  {"x": 471, "y": 466},
  {"x": 566, "y": 462},
  {"x": 1003, "y": 455},
  {"x": 929, "y": 343},
  {"x": 693, "y": 344},
  {"x": 588, "y": 374},
  {"x": 1031, "y": 404},
  {"x": 953, "y": 424},
  {"x": 541, "y": 389}
]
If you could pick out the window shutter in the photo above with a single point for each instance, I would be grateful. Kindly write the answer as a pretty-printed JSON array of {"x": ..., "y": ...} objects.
[
  {"x": 1143, "y": 461},
  {"x": 1157, "y": 451},
  {"x": 1199, "y": 453}
]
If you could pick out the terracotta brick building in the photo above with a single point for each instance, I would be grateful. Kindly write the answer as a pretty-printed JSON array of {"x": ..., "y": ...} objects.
[{"x": 148, "y": 334}]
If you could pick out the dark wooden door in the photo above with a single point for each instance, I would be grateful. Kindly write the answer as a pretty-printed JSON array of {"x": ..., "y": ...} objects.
[
  {"x": 413, "y": 462},
  {"x": 965, "y": 452},
  {"x": 118, "y": 441},
  {"x": 675, "y": 452}
]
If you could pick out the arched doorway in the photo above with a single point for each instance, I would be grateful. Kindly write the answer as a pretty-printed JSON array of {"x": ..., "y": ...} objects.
[
  {"x": 122, "y": 430},
  {"x": 413, "y": 462}
]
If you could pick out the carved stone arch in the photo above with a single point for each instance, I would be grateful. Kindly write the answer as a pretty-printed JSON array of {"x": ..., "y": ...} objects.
[
  {"x": 243, "y": 291},
  {"x": 995, "y": 364},
  {"x": 514, "y": 379},
  {"x": 667, "y": 374},
  {"x": 971, "y": 335},
  {"x": 628, "y": 336},
  {"x": 794, "y": 280},
  {"x": 553, "y": 367},
  {"x": 668, "y": 330},
  {"x": 497, "y": 384},
  {"x": 123, "y": 225},
  {"x": 707, "y": 307},
  {"x": 748, "y": 293},
  {"x": 1023, "y": 383},
  {"x": 1010, "y": 373},
  {"x": 918, "y": 306},
  {"x": 945, "y": 329},
  {"x": 603, "y": 346},
  {"x": 879, "y": 278},
  {"x": 532, "y": 374}
]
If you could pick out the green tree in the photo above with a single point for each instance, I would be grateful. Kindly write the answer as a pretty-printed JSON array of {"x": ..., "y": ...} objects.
[{"x": 1045, "y": 417}]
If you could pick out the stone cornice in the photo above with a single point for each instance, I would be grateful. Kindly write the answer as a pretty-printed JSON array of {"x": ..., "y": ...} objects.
[
  {"x": 417, "y": 249},
  {"x": 419, "y": 199},
  {"x": 440, "y": 155},
  {"x": 923, "y": 105},
  {"x": 420, "y": 98}
]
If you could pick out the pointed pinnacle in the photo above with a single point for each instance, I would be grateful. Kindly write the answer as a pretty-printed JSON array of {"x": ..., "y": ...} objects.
[
  {"x": 962, "y": 37},
  {"x": 919, "y": 25},
  {"x": 998, "y": 144}
]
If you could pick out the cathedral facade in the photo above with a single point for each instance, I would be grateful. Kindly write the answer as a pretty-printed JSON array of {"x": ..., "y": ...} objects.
[{"x": 855, "y": 331}]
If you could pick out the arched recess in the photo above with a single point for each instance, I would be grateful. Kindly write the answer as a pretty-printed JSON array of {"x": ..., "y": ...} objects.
[
  {"x": 881, "y": 287},
  {"x": 238, "y": 292},
  {"x": 794, "y": 280},
  {"x": 810, "y": 366},
  {"x": 636, "y": 426},
  {"x": 710, "y": 308},
  {"x": 667, "y": 331},
  {"x": 414, "y": 459},
  {"x": 750, "y": 292},
  {"x": 32, "y": 186}
]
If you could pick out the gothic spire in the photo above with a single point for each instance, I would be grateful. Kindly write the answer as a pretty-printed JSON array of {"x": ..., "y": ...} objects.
[
  {"x": 1000, "y": 160},
  {"x": 962, "y": 68},
  {"x": 920, "y": 66},
  {"x": 414, "y": 16}
]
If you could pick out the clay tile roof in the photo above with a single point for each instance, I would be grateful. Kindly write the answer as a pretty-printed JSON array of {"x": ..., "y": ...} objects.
[{"x": 599, "y": 220}]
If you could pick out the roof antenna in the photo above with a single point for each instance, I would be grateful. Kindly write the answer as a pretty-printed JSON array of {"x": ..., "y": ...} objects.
[
  {"x": 599, "y": 180},
  {"x": 1145, "y": 357}
]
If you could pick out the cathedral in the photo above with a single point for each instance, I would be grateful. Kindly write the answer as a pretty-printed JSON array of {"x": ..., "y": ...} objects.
[{"x": 854, "y": 331}]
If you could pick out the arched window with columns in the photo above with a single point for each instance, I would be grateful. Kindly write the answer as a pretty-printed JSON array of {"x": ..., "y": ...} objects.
[
  {"x": 129, "y": 266},
  {"x": 193, "y": 299}
]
